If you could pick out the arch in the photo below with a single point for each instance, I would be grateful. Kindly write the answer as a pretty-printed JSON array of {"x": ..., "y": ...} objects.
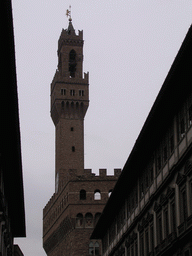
[
  {"x": 96, "y": 248},
  {"x": 67, "y": 105},
  {"x": 89, "y": 219},
  {"x": 97, "y": 194},
  {"x": 82, "y": 194},
  {"x": 91, "y": 248},
  {"x": 79, "y": 220},
  {"x": 72, "y": 63},
  {"x": 109, "y": 193}
]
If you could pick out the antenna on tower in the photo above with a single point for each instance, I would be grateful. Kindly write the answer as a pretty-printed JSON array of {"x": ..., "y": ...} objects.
[{"x": 68, "y": 13}]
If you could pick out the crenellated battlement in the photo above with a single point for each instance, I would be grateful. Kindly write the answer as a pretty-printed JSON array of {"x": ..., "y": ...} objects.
[
  {"x": 102, "y": 173},
  {"x": 87, "y": 176},
  {"x": 70, "y": 38}
]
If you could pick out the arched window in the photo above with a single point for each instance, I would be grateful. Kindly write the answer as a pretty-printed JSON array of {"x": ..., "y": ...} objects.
[
  {"x": 97, "y": 195},
  {"x": 82, "y": 194},
  {"x": 91, "y": 249},
  {"x": 94, "y": 248},
  {"x": 72, "y": 63},
  {"x": 109, "y": 193},
  {"x": 79, "y": 220},
  {"x": 89, "y": 219}
]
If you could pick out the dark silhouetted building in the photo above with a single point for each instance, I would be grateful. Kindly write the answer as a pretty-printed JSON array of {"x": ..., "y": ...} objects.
[
  {"x": 150, "y": 209},
  {"x": 12, "y": 212}
]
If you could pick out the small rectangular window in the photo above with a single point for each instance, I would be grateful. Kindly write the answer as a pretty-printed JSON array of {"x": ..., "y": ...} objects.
[
  {"x": 81, "y": 92},
  {"x": 63, "y": 91},
  {"x": 72, "y": 92}
]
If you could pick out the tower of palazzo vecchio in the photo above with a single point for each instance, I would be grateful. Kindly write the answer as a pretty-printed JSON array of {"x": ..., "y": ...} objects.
[{"x": 80, "y": 196}]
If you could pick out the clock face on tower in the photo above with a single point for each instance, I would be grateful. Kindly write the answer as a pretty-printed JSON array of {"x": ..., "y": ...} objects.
[{"x": 57, "y": 182}]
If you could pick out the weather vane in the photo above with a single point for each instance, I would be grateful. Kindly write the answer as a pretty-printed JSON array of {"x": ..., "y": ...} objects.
[{"x": 68, "y": 13}]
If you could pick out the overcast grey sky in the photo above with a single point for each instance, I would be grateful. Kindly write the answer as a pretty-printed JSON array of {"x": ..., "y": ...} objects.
[{"x": 129, "y": 48}]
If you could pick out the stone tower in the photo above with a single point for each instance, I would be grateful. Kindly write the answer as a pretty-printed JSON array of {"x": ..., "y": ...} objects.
[{"x": 80, "y": 196}]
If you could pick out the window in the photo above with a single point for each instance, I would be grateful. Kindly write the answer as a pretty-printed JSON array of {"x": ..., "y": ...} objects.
[
  {"x": 72, "y": 63},
  {"x": 141, "y": 244},
  {"x": 97, "y": 195},
  {"x": 73, "y": 149},
  {"x": 173, "y": 215},
  {"x": 96, "y": 248},
  {"x": 63, "y": 91},
  {"x": 166, "y": 222},
  {"x": 82, "y": 194},
  {"x": 147, "y": 241},
  {"x": 109, "y": 193},
  {"x": 152, "y": 236},
  {"x": 91, "y": 249},
  {"x": 81, "y": 92},
  {"x": 72, "y": 129},
  {"x": 72, "y": 92},
  {"x": 79, "y": 220},
  {"x": 136, "y": 248},
  {"x": 159, "y": 228},
  {"x": 183, "y": 204},
  {"x": 89, "y": 219}
]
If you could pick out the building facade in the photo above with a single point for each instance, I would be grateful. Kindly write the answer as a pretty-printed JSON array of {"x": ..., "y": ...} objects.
[
  {"x": 12, "y": 211},
  {"x": 150, "y": 209},
  {"x": 71, "y": 214}
]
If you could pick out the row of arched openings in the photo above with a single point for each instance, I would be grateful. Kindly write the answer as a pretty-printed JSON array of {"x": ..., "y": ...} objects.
[
  {"x": 97, "y": 194},
  {"x": 72, "y": 104},
  {"x": 88, "y": 220}
]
